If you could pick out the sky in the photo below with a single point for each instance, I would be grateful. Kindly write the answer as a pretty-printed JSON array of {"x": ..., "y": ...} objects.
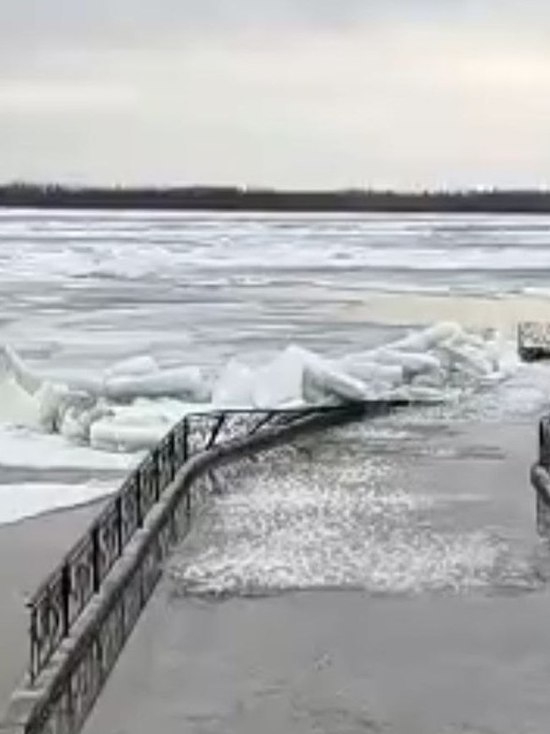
[{"x": 320, "y": 94}]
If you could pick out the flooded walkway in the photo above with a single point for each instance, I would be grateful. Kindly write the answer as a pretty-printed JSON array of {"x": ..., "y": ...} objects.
[{"x": 386, "y": 579}]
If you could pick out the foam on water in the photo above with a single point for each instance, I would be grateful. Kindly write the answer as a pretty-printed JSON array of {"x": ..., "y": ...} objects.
[{"x": 299, "y": 525}]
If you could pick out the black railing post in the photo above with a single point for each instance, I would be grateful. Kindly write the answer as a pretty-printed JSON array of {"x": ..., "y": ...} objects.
[
  {"x": 156, "y": 473},
  {"x": 172, "y": 454},
  {"x": 96, "y": 570},
  {"x": 66, "y": 598},
  {"x": 215, "y": 431},
  {"x": 543, "y": 501},
  {"x": 118, "y": 515},
  {"x": 139, "y": 507},
  {"x": 185, "y": 439},
  {"x": 33, "y": 663},
  {"x": 544, "y": 442}
]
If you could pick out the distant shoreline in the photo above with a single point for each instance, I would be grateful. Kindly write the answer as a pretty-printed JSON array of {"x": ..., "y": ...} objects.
[{"x": 233, "y": 199}]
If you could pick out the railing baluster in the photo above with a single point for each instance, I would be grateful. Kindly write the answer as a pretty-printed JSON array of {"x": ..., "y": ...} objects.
[
  {"x": 138, "y": 496},
  {"x": 215, "y": 431},
  {"x": 118, "y": 505},
  {"x": 96, "y": 561},
  {"x": 157, "y": 473},
  {"x": 172, "y": 455},
  {"x": 33, "y": 663},
  {"x": 262, "y": 423},
  {"x": 541, "y": 479},
  {"x": 66, "y": 598},
  {"x": 185, "y": 439}
]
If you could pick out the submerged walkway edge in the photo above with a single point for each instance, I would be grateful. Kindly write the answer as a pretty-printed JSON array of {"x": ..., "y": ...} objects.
[{"x": 85, "y": 611}]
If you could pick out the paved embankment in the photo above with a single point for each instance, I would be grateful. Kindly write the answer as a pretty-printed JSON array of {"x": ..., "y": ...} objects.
[{"x": 451, "y": 636}]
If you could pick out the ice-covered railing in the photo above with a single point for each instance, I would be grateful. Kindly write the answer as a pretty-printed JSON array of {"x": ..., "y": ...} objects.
[{"x": 62, "y": 598}]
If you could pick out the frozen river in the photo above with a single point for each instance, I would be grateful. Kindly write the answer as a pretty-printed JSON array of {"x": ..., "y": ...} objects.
[{"x": 81, "y": 291}]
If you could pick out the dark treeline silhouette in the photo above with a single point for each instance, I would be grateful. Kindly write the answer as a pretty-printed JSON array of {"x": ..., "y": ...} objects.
[{"x": 247, "y": 199}]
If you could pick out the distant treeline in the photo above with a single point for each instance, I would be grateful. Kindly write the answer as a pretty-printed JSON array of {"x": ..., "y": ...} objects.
[{"x": 247, "y": 199}]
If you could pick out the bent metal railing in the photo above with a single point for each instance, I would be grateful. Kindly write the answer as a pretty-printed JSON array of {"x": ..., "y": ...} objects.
[
  {"x": 74, "y": 644},
  {"x": 60, "y": 600}
]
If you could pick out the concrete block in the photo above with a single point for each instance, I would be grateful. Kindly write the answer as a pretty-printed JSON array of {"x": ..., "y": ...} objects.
[{"x": 534, "y": 340}]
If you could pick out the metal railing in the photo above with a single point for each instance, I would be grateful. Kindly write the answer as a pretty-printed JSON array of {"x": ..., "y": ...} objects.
[
  {"x": 540, "y": 478},
  {"x": 59, "y": 602},
  {"x": 161, "y": 496}
]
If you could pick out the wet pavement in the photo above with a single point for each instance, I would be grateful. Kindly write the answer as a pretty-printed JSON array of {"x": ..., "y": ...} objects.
[{"x": 449, "y": 635}]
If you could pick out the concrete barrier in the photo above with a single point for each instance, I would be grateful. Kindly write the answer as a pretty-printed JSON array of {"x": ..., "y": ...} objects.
[{"x": 533, "y": 341}]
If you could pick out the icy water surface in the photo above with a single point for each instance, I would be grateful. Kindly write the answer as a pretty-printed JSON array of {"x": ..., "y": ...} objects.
[{"x": 80, "y": 291}]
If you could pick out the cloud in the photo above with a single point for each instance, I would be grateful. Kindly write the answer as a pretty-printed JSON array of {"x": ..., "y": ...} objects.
[
  {"x": 61, "y": 97},
  {"x": 275, "y": 92}
]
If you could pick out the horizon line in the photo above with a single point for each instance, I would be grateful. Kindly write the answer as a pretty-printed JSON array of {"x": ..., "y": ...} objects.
[{"x": 264, "y": 189}]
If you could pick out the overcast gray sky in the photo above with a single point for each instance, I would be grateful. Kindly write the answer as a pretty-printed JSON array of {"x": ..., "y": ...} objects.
[{"x": 294, "y": 93}]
